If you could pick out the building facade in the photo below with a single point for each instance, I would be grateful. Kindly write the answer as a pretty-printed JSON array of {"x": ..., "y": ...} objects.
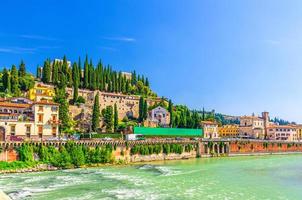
[
  {"x": 41, "y": 91},
  {"x": 28, "y": 121},
  {"x": 283, "y": 133},
  {"x": 159, "y": 116},
  {"x": 229, "y": 131},
  {"x": 210, "y": 129},
  {"x": 253, "y": 126}
]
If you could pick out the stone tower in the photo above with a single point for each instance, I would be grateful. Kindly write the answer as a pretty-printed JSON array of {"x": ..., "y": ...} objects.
[{"x": 265, "y": 117}]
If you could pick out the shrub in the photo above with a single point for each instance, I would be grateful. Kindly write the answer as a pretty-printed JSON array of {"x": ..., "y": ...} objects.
[{"x": 26, "y": 153}]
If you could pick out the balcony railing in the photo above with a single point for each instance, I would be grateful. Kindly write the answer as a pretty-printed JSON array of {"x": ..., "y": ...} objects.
[{"x": 54, "y": 121}]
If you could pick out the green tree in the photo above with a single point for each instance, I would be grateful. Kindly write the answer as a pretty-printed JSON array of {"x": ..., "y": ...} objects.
[
  {"x": 86, "y": 73},
  {"x": 38, "y": 72},
  {"x": 46, "y": 72},
  {"x": 170, "y": 109},
  {"x": 115, "y": 121},
  {"x": 26, "y": 82},
  {"x": 15, "y": 81},
  {"x": 96, "y": 113},
  {"x": 22, "y": 69},
  {"x": 77, "y": 155},
  {"x": 55, "y": 73},
  {"x": 61, "y": 98},
  {"x": 145, "y": 110},
  {"x": 75, "y": 82},
  {"x": 108, "y": 118},
  {"x": 141, "y": 109},
  {"x": 6, "y": 81}
]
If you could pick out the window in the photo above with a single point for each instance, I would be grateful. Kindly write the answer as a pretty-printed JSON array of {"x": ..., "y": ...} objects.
[
  {"x": 40, "y": 108},
  {"x": 40, "y": 118},
  {"x": 13, "y": 130},
  {"x": 40, "y": 131},
  {"x": 54, "y": 131},
  {"x": 54, "y": 108},
  {"x": 38, "y": 91},
  {"x": 28, "y": 131},
  {"x": 54, "y": 117}
]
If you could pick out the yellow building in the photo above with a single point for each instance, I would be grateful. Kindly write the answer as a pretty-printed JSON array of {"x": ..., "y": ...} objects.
[
  {"x": 229, "y": 131},
  {"x": 40, "y": 92},
  {"x": 299, "y": 132}
]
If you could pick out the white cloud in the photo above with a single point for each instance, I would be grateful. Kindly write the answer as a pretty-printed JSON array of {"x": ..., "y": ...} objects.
[
  {"x": 38, "y": 37},
  {"x": 24, "y": 50},
  {"x": 122, "y": 39}
]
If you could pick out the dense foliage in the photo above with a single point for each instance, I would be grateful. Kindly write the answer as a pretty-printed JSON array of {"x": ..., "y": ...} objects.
[
  {"x": 15, "y": 165},
  {"x": 93, "y": 77},
  {"x": 158, "y": 148},
  {"x": 14, "y": 82},
  {"x": 66, "y": 156},
  {"x": 96, "y": 113},
  {"x": 108, "y": 117},
  {"x": 185, "y": 118}
]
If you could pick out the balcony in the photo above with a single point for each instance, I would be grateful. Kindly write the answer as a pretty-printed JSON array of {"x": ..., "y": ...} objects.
[{"x": 54, "y": 121}]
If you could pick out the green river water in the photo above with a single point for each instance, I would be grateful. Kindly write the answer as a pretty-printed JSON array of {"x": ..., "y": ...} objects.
[{"x": 254, "y": 177}]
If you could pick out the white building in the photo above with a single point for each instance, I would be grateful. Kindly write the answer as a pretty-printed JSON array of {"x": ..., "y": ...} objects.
[
  {"x": 160, "y": 116},
  {"x": 30, "y": 121},
  {"x": 210, "y": 129},
  {"x": 284, "y": 133}
]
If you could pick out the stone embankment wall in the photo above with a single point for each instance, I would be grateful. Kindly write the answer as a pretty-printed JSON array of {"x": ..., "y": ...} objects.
[
  {"x": 121, "y": 153},
  {"x": 205, "y": 148},
  {"x": 250, "y": 147}
]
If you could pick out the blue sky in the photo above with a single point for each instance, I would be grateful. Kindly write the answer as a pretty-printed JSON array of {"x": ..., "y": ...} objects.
[{"x": 236, "y": 57}]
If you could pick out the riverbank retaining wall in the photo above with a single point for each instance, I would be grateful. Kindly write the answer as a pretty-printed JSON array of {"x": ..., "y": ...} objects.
[{"x": 205, "y": 148}]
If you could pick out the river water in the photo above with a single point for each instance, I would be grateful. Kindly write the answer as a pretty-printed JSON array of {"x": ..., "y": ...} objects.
[{"x": 261, "y": 177}]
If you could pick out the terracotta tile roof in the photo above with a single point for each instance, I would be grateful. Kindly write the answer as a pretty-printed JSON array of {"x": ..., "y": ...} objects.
[
  {"x": 208, "y": 122},
  {"x": 45, "y": 103},
  {"x": 251, "y": 117},
  {"x": 14, "y": 105},
  {"x": 282, "y": 126}
]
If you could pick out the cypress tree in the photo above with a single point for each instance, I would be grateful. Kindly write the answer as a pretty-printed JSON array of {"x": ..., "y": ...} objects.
[
  {"x": 86, "y": 73},
  {"x": 133, "y": 78},
  {"x": 93, "y": 80},
  {"x": 46, "y": 72},
  {"x": 108, "y": 118},
  {"x": 75, "y": 82},
  {"x": 115, "y": 121},
  {"x": 145, "y": 110},
  {"x": 64, "y": 115},
  {"x": 6, "y": 81},
  {"x": 170, "y": 109},
  {"x": 141, "y": 109},
  {"x": 22, "y": 69},
  {"x": 91, "y": 75},
  {"x": 65, "y": 66},
  {"x": 38, "y": 72},
  {"x": 127, "y": 87},
  {"x": 55, "y": 73},
  {"x": 80, "y": 79},
  {"x": 15, "y": 81},
  {"x": 147, "y": 82},
  {"x": 70, "y": 79},
  {"x": 96, "y": 113}
]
